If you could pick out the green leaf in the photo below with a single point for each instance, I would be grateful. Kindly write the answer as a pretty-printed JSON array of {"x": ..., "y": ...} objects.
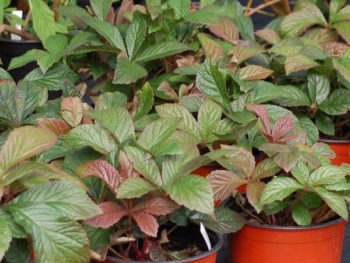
[
  {"x": 146, "y": 99},
  {"x": 293, "y": 96},
  {"x": 58, "y": 198},
  {"x": 343, "y": 30},
  {"x": 228, "y": 221},
  {"x": 54, "y": 238},
  {"x": 144, "y": 165},
  {"x": 108, "y": 100},
  {"x": 16, "y": 230},
  {"x": 108, "y": 31},
  {"x": 254, "y": 191},
  {"x": 212, "y": 49},
  {"x": 4, "y": 75},
  {"x": 194, "y": 192},
  {"x": 301, "y": 172},
  {"x": 298, "y": 63},
  {"x": 117, "y": 120},
  {"x": 43, "y": 21},
  {"x": 22, "y": 60},
  {"x": 90, "y": 135},
  {"x": 278, "y": 189},
  {"x": 211, "y": 14},
  {"x": 134, "y": 187},
  {"x": 310, "y": 128},
  {"x": 212, "y": 84},
  {"x": 342, "y": 67},
  {"x": 295, "y": 23},
  {"x": 335, "y": 201},
  {"x": 101, "y": 8},
  {"x": 245, "y": 27},
  {"x": 329, "y": 174},
  {"x": 23, "y": 143},
  {"x": 318, "y": 86},
  {"x": 20, "y": 250},
  {"x": 6, "y": 237},
  {"x": 334, "y": 7},
  {"x": 161, "y": 50},
  {"x": 156, "y": 133},
  {"x": 311, "y": 200},
  {"x": 179, "y": 114},
  {"x": 127, "y": 72},
  {"x": 301, "y": 215},
  {"x": 180, "y": 7},
  {"x": 337, "y": 103},
  {"x": 265, "y": 91},
  {"x": 99, "y": 237},
  {"x": 264, "y": 169},
  {"x": 135, "y": 36},
  {"x": 55, "y": 78},
  {"x": 8, "y": 103},
  {"x": 325, "y": 124},
  {"x": 209, "y": 116},
  {"x": 60, "y": 149}
]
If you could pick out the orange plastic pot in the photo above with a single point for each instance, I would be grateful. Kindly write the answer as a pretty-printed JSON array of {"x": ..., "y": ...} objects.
[
  {"x": 341, "y": 149},
  {"x": 205, "y": 257},
  {"x": 273, "y": 244}
]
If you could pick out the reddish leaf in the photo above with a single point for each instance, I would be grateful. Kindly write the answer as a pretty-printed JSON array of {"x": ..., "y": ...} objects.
[
  {"x": 165, "y": 87},
  {"x": 156, "y": 206},
  {"x": 224, "y": 183},
  {"x": 126, "y": 6},
  {"x": 254, "y": 191},
  {"x": 241, "y": 159},
  {"x": 112, "y": 213},
  {"x": 102, "y": 170},
  {"x": 226, "y": 30},
  {"x": 147, "y": 223},
  {"x": 72, "y": 110},
  {"x": 261, "y": 112},
  {"x": 282, "y": 127},
  {"x": 111, "y": 15},
  {"x": 126, "y": 168},
  {"x": 59, "y": 127}
]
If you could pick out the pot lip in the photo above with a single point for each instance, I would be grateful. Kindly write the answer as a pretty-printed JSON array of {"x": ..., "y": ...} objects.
[
  {"x": 343, "y": 141},
  {"x": 26, "y": 41},
  {"x": 293, "y": 228},
  {"x": 214, "y": 249}
]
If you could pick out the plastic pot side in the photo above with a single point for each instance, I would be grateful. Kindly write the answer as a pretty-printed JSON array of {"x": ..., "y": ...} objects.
[
  {"x": 273, "y": 244},
  {"x": 342, "y": 150},
  {"x": 205, "y": 257}
]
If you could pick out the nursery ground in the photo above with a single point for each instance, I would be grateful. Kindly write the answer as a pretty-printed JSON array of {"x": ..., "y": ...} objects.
[{"x": 223, "y": 255}]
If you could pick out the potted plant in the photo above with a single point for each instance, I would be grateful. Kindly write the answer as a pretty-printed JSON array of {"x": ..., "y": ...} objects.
[
  {"x": 144, "y": 173},
  {"x": 295, "y": 200}
]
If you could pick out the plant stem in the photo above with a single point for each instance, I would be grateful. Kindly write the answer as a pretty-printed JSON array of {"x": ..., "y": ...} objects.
[
  {"x": 18, "y": 32},
  {"x": 252, "y": 215},
  {"x": 117, "y": 254},
  {"x": 248, "y": 7},
  {"x": 262, "y": 6}
]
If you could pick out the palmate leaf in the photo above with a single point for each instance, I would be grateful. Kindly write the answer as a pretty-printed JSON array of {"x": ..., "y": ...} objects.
[
  {"x": 144, "y": 165},
  {"x": 227, "y": 221},
  {"x": 117, "y": 120},
  {"x": 225, "y": 183},
  {"x": 23, "y": 143},
  {"x": 58, "y": 198},
  {"x": 298, "y": 63},
  {"x": 6, "y": 237},
  {"x": 212, "y": 49},
  {"x": 112, "y": 213},
  {"x": 184, "y": 118},
  {"x": 209, "y": 115},
  {"x": 103, "y": 170},
  {"x": 254, "y": 72},
  {"x": 135, "y": 36},
  {"x": 43, "y": 21},
  {"x": 193, "y": 192},
  {"x": 134, "y": 187},
  {"x": 90, "y": 135},
  {"x": 127, "y": 72},
  {"x": 294, "y": 24},
  {"x": 156, "y": 133},
  {"x": 55, "y": 239},
  {"x": 101, "y": 8},
  {"x": 161, "y": 50},
  {"x": 212, "y": 84},
  {"x": 337, "y": 103},
  {"x": 278, "y": 189}
]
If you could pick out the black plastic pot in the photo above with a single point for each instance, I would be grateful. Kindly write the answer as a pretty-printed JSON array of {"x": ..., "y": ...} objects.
[
  {"x": 187, "y": 235},
  {"x": 14, "y": 48}
]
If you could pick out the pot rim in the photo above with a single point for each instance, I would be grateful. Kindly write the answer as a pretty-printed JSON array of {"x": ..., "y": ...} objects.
[
  {"x": 23, "y": 41},
  {"x": 214, "y": 249},
  {"x": 343, "y": 141},
  {"x": 293, "y": 228}
]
